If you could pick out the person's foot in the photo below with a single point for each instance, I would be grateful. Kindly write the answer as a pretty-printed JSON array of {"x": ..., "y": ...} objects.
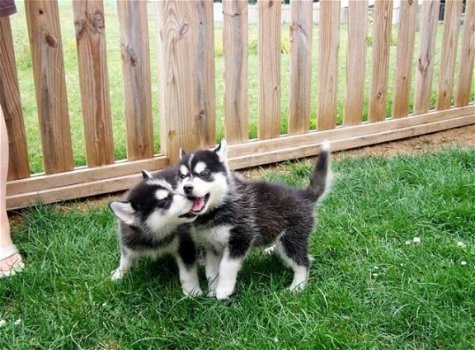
[{"x": 11, "y": 261}]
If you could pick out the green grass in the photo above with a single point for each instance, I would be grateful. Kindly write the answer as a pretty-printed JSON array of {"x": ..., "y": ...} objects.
[
  {"x": 23, "y": 57},
  {"x": 367, "y": 289}
]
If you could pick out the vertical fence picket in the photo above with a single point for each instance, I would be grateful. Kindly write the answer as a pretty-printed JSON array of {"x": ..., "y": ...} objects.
[
  {"x": 204, "y": 102},
  {"x": 50, "y": 84},
  {"x": 134, "y": 42},
  {"x": 448, "y": 56},
  {"x": 269, "y": 68},
  {"x": 301, "y": 29},
  {"x": 94, "y": 81},
  {"x": 11, "y": 105},
  {"x": 186, "y": 55},
  {"x": 405, "y": 51},
  {"x": 383, "y": 10},
  {"x": 235, "y": 44},
  {"x": 467, "y": 56},
  {"x": 425, "y": 62},
  {"x": 328, "y": 63},
  {"x": 356, "y": 61}
]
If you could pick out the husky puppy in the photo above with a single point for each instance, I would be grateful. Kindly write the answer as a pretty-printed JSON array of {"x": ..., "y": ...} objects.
[
  {"x": 153, "y": 220},
  {"x": 235, "y": 215}
]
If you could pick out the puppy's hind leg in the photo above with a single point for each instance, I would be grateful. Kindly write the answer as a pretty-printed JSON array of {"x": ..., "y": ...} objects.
[{"x": 293, "y": 251}]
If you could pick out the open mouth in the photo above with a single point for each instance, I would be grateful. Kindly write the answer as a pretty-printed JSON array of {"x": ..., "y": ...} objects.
[{"x": 199, "y": 204}]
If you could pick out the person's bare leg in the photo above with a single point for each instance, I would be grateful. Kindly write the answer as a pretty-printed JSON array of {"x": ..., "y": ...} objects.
[{"x": 14, "y": 261}]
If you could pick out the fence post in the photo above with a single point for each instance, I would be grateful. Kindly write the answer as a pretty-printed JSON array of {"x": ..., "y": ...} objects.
[
  {"x": 269, "y": 68},
  {"x": 50, "y": 84},
  {"x": 300, "y": 66},
  {"x": 356, "y": 61},
  {"x": 134, "y": 44},
  {"x": 235, "y": 43},
  {"x": 94, "y": 81},
  {"x": 185, "y": 35},
  {"x": 11, "y": 105},
  {"x": 328, "y": 63}
]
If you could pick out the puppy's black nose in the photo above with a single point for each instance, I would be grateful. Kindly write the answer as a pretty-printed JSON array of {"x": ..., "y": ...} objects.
[{"x": 188, "y": 189}]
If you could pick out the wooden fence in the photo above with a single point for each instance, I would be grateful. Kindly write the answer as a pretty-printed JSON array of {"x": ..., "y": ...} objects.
[{"x": 186, "y": 61}]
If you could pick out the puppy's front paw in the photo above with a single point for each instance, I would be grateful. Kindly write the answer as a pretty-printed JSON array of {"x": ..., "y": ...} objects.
[
  {"x": 117, "y": 274},
  {"x": 224, "y": 292}
]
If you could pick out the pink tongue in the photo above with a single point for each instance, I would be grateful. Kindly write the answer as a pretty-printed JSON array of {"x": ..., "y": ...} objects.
[{"x": 198, "y": 204}]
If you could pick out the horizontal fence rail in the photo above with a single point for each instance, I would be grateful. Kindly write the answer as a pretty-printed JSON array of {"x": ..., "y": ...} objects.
[{"x": 180, "y": 40}]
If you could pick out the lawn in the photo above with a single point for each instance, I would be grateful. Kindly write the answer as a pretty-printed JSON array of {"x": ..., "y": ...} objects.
[
  {"x": 23, "y": 57},
  {"x": 371, "y": 285}
]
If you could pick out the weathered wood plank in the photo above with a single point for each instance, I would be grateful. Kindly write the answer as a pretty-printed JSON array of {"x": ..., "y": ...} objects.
[
  {"x": 186, "y": 63},
  {"x": 405, "y": 51},
  {"x": 425, "y": 62},
  {"x": 134, "y": 43},
  {"x": 328, "y": 63},
  {"x": 94, "y": 81},
  {"x": 467, "y": 54},
  {"x": 235, "y": 43},
  {"x": 301, "y": 29},
  {"x": 50, "y": 85},
  {"x": 356, "y": 61},
  {"x": 269, "y": 68},
  {"x": 453, "y": 9},
  {"x": 383, "y": 10},
  {"x": 10, "y": 103}
]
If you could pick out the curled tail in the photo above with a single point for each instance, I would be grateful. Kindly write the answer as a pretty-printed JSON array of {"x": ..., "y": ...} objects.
[{"x": 320, "y": 180}]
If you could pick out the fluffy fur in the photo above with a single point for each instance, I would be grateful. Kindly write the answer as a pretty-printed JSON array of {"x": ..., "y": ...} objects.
[
  {"x": 235, "y": 215},
  {"x": 153, "y": 221}
]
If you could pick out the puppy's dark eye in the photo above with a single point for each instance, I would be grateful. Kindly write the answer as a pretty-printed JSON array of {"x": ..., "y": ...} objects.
[
  {"x": 182, "y": 176},
  {"x": 205, "y": 174}
]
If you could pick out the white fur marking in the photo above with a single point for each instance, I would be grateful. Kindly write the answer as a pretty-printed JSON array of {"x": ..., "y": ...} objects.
[
  {"x": 160, "y": 182},
  {"x": 228, "y": 271},
  {"x": 184, "y": 170},
  {"x": 161, "y": 194},
  {"x": 199, "y": 167},
  {"x": 188, "y": 279},
  {"x": 325, "y": 146}
]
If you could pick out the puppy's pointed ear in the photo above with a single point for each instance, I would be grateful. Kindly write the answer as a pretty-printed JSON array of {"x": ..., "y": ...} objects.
[
  {"x": 124, "y": 211},
  {"x": 146, "y": 175},
  {"x": 222, "y": 151},
  {"x": 182, "y": 152}
]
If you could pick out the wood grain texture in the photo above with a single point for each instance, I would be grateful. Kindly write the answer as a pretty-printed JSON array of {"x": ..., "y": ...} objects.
[
  {"x": 425, "y": 61},
  {"x": 186, "y": 64},
  {"x": 453, "y": 9},
  {"x": 301, "y": 29},
  {"x": 383, "y": 10},
  {"x": 135, "y": 52},
  {"x": 269, "y": 68},
  {"x": 10, "y": 103},
  {"x": 356, "y": 61},
  {"x": 467, "y": 54},
  {"x": 94, "y": 81},
  {"x": 235, "y": 43},
  {"x": 405, "y": 51},
  {"x": 328, "y": 63},
  {"x": 50, "y": 85}
]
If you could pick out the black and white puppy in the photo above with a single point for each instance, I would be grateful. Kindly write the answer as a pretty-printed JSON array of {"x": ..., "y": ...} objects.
[
  {"x": 153, "y": 220},
  {"x": 235, "y": 215}
]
